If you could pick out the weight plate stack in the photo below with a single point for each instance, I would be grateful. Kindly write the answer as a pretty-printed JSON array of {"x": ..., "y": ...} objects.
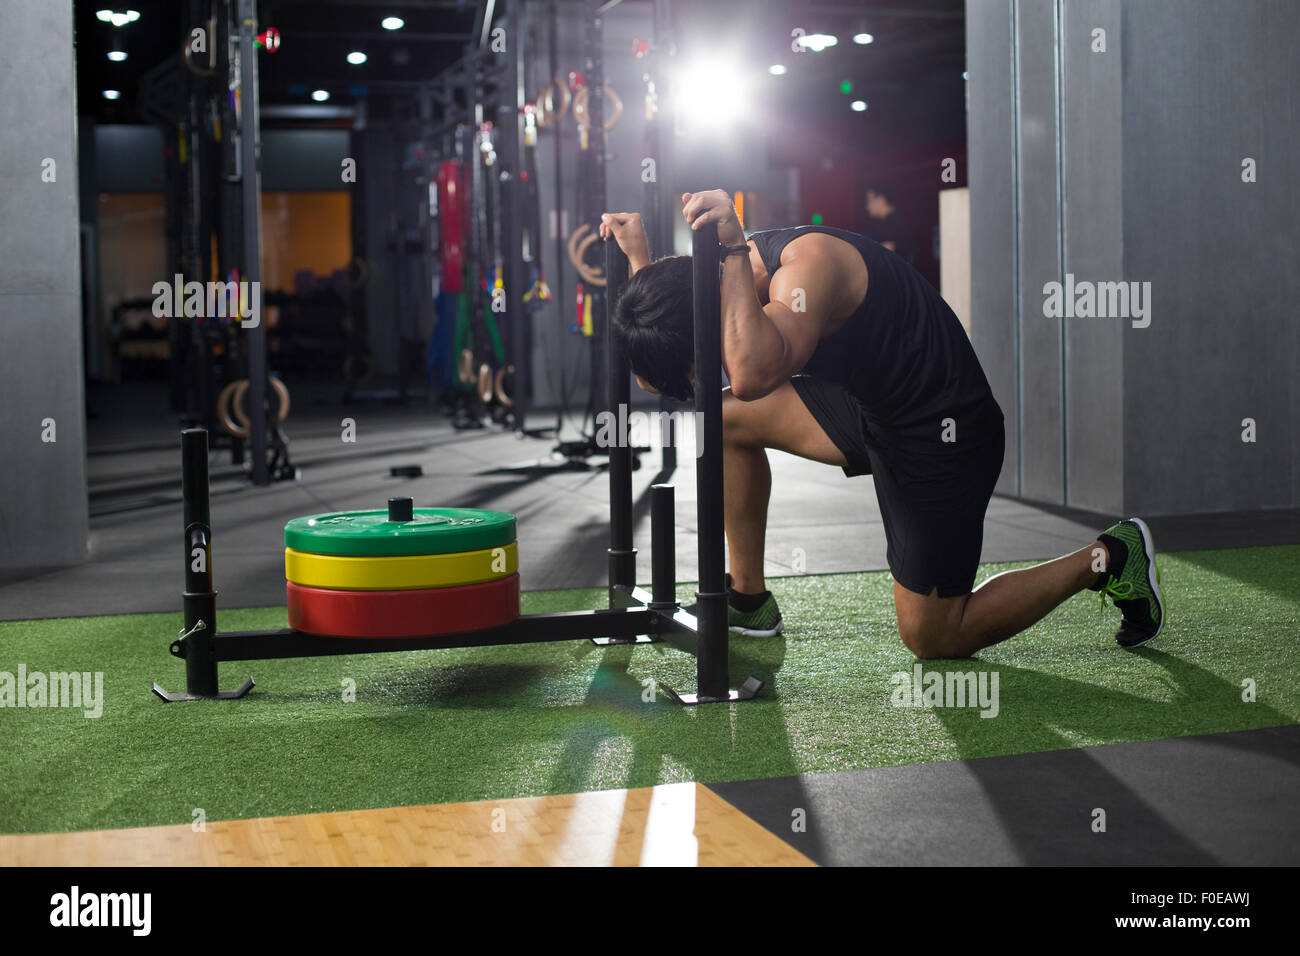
[{"x": 404, "y": 572}]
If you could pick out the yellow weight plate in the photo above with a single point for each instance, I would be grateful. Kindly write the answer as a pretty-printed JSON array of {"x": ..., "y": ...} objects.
[{"x": 403, "y": 573}]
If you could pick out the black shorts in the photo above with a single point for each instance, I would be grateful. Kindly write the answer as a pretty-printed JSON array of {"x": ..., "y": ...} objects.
[{"x": 932, "y": 494}]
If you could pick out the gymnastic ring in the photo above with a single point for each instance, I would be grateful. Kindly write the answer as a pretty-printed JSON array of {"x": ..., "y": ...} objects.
[
  {"x": 465, "y": 367},
  {"x": 545, "y": 103},
  {"x": 223, "y": 408},
  {"x": 596, "y": 276},
  {"x": 237, "y": 404},
  {"x": 573, "y": 242},
  {"x": 578, "y": 249},
  {"x": 502, "y": 397},
  {"x": 281, "y": 397},
  {"x": 350, "y": 375},
  {"x": 592, "y": 274},
  {"x": 363, "y": 272},
  {"x": 580, "y": 107},
  {"x": 185, "y": 52},
  {"x": 485, "y": 382}
]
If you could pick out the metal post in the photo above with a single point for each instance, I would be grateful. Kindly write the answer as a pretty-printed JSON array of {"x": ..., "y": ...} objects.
[
  {"x": 622, "y": 556},
  {"x": 510, "y": 120},
  {"x": 476, "y": 252},
  {"x": 591, "y": 176},
  {"x": 251, "y": 193},
  {"x": 199, "y": 597},
  {"x": 663, "y": 554},
  {"x": 560, "y": 297},
  {"x": 712, "y": 595},
  {"x": 659, "y": 204}
]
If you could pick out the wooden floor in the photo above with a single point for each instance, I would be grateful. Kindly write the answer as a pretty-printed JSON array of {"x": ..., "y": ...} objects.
[{"x": 681, "y": 824}]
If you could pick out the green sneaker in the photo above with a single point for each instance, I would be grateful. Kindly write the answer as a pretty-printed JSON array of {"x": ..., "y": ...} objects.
[
  {"x": 763, "y": 621},
  {"x": 1132, "y": 582}
]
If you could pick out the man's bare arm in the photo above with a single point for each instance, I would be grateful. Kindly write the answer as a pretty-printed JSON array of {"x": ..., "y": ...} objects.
[{"x": 762, "y": 346}]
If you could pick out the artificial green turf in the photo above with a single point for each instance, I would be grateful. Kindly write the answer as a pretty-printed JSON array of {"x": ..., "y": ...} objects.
[{"x": 439, "y": 726}]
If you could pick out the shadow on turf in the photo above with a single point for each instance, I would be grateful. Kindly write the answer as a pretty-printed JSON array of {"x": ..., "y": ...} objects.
[
  {"x": 1048, "y": 816},
  {"x": 1274, "y": 569}
]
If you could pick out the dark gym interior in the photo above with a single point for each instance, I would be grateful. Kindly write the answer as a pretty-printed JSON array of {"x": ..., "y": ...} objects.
[{"x": 352, "y": 249}]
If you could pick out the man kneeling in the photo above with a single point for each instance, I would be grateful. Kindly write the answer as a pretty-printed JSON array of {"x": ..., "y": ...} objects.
[{"x": 837, "y": 350}]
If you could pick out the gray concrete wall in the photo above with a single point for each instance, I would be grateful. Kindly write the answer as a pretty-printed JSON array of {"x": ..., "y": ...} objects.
[
  {"x": 1041, "y": 422},
  {"x": 1206, "y": 85},
  {"x": 990, "y": 145},
  {"x": 43, "y": 512},
  {"x": 1092, "y": 183},
  {"x": 1125, "y": 165}
]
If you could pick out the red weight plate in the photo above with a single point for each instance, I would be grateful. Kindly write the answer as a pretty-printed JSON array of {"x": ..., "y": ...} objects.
[{"x": 417, "y": 613}]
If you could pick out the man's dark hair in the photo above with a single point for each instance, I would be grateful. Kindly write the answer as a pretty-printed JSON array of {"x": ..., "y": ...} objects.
[{"x": 654, "y": 324}]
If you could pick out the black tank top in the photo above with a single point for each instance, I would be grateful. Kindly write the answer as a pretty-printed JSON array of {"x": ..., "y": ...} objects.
[{"x": 902, "y": 353}]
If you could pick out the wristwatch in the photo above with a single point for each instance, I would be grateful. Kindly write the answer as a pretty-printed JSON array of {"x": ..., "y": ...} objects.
[{"x": 735, "y": 250}]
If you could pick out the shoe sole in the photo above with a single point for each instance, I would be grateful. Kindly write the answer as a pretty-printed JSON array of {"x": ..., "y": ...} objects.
[
  {"x": 1153, "y": 578},
  {"x": 756, "y": 632}
]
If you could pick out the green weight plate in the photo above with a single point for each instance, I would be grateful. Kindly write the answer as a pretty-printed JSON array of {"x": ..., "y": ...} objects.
[{"x": 431, "y": 531}]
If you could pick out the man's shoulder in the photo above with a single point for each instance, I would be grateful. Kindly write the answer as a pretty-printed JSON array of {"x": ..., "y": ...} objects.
[{"x": 839, "y": 244}]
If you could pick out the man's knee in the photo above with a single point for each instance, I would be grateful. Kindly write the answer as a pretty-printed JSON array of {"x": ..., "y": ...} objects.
[
  {"x": 931, "y": 628},
  {"x": 926, "y": 642}
]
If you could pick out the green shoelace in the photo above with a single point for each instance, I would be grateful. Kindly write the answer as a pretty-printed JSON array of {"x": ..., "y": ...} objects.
[{"x": 1117, "y": 590}]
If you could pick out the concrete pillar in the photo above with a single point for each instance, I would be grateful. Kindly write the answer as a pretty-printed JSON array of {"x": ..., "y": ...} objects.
[
  {"x": 43, "y": 511},
  {"x": 1107, "y": 142}
]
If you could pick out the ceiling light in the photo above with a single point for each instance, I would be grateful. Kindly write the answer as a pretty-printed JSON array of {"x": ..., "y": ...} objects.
[
  {"x": 117, "y": 56},
  {"x": 776, "y": 69},
  {"x": 858, "y": 106},
  {"x": 112, "y": 94},
  {"x": 718, "y": 96},
  {"x": 817, "y": 41},
  {"x": 863, "y": 39},
  {"x": 356, "y": 58},
  {"x": 392, "y": 23},
  {"x": 119, "y": 18},
  {"x": 320, "y": 96}
]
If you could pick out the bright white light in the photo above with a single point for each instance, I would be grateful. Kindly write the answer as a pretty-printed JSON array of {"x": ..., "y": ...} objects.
[
  {"x": 117, "y": 56},
  {"x": 776, "y": 69},
  {"x": 320, "y": 96},
  {"x": 356, "y": 58},
  {"x": 392, "y": 23},
  {"x": 965, "y": 75},
  {"x": 858, "y": 106},
  {"x": 713, "y": 94},
  {"x": 112, "y": 94},
  {"x": 863, "y": 38},
  {"x": 118, "y": 19},
  {"x": 817, "y": 41}
]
